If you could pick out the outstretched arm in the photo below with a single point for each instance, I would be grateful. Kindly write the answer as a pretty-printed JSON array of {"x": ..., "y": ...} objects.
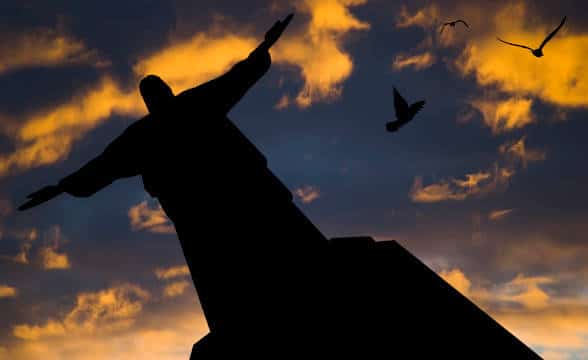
[
  {"x": 225, "y": 91},
  {"x": 123, "y": 157}
]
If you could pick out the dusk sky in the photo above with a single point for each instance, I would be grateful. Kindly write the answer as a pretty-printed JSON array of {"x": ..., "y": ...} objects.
[{"x": 487, "y": 185}]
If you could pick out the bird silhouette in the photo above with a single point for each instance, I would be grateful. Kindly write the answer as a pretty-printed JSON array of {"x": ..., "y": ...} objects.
[
  {"x": 539, "y": 51},
  {"x": 452, "y": 24},
  {"x": 404, "y": 113}
]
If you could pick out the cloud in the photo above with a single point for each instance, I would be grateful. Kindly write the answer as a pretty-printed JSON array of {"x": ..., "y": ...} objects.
[
  {"x": 47, "y": 136},
  {"x": 317, "y": 51},
  {"x": 557, "y": 78},
  {"x": 307, "y": 194},
  {"x": 544, "y": 320},
  {"x": 176, "y": 288},
  {"x": 44, "y": 48},
  {"x": 518, "y": 151},
  {"x": 94, "y": 312},
  {"x": 145, "y": 217},
  {"x": 425, "y": 17},
  {"x": 496, "y": 215},
  {"x": 474, "y": 184},
  {"x": 51, "y": 259},
  {"x": 505, "y": 115},
  {"x": 457, "y": 279},
  {"x": 172, "y": 272},
  {"x": 26, "y": 237},
  {"x": 417, "y": 62},
  {"x": 7, "y": 291},
  {"x": 283, "y": 103}
]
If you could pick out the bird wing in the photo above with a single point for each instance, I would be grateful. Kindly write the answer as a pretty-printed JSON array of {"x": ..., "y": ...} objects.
[
  {"x": 513, "y": 44},
  {"x": 463, "y": 22},
  {"x": 38, "y": 197},
  {"x": 400, "y": 105},
  {"x": 415, "y": 108},
  {"x": 553, "y": 33}
]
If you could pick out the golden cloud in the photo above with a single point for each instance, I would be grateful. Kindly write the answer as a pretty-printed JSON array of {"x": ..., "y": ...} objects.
[
  {"x": 145, "y": 217},
  {"x": 307, "y": 194},
  {"x": 172, "y": 272},
  {"x": 475, "y": 184},
  {"x": 176, "y": 288},
  {"x": 505, "y": 115},
  {"x": 51, "y": 259},
  {"x": 556, "y": 78},
  {"x": 520, "y": 152},
  {"x": 165, "y": 335},
  {"x": 496, "y": 215},
  {"x": 7, "y": 291},
  {"x": 43, "y": 47},
  {"x": 418, "y": 62},
  {"x": 94, "y": 312},
  {"x": 425, "y": 17},
  {"x": 555, "y": 324},
  {"x": 48, "y": 135},
  {"x": 317, "y": 51}
]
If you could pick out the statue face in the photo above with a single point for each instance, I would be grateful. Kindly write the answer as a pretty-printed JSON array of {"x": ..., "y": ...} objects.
[{"x": 156, "y": 93}]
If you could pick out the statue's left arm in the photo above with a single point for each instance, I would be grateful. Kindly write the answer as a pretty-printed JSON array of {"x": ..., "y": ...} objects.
[{"x": 225, "y": 91}]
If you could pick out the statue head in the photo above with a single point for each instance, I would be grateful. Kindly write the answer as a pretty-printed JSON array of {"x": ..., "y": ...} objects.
[{"x": 155, "y": 92}]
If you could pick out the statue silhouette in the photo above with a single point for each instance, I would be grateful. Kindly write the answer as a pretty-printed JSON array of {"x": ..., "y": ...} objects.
[{"x": 270, "y": 284}]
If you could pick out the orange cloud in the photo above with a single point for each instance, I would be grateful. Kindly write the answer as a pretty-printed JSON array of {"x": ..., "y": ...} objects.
[
  {"x": 557, "y": 78},
  {"x": 425, "y": 17},
  {"x": 51, "y": 259},
  {"x": 43, "y": 47},
  {"x": 505, "y": 115},
  {"x": 418, "y": 62},
  {"x": 317, "y": 51},
  {"x": 556, "y": 324},
  {"x": 94, "y": 312},
  {"x": 7, "y": 291},
  {"x": 307, "y": 194},
  {"x": 172, "y": 272},
  {"x": 519, "y": 151},
  {"x": 475, "y": 184},
  {"x": 176, "y": 288},
  {"x": 144, "y": 217},
  {"x": 499, "y": 214}
]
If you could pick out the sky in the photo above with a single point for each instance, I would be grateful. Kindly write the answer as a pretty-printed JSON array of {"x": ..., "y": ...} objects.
[{"x": 486, "y": 185}]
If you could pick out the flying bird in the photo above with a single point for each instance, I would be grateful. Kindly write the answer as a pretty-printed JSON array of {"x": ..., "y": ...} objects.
[
  {"x": 538, "y": 52},
  {"x": 404, "y": 113},
  {"x": 452, "y": 24}
]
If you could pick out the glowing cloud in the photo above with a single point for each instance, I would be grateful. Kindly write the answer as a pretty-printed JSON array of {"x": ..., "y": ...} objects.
[
  {"x": 557, "y": 78},
  {"x": 499, "y": 214},
  {"x": 424, "y": 17},
  {"x": 520, "y": 152},
  {"x": 417, "y": 62},
  {"x": 307, "y": 194},
  {"x": 43, "y": 47},
  {"x": 476, "y": 184},
  {"x": 317, "y": 51},
  {"x": 176, "y": 288},
  {"x": 51, "y": 259},
  {"x": 144, "y": 217},
  {"x": 457, "y": 279},
  {"x": 105, "y": 310},
  {"x": 505, "y": 115},
  {"x": 48, "y": 135},
  {"x": 172, "y": 272},
  {"x": 7, "y": 291}
]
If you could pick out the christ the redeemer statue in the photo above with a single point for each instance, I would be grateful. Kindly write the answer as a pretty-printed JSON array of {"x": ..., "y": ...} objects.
[{"x": 236, "y": 222}]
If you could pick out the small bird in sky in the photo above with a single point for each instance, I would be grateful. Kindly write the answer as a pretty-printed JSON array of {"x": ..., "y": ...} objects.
[
  {"x": 452, "y": 24},
  {"x": 404, "y": 113},
  {"x": 538, "y": 52}
]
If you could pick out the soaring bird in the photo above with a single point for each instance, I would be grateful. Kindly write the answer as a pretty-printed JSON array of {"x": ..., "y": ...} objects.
[
  {"x": 452, "y": 24},
  {"x": 538, "y": 52},
  {"x": 404, "y": 113}
]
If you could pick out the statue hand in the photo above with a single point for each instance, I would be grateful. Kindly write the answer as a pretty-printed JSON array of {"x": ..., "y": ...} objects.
[
  {"x": 38, "y": 197},
  {"x": 276, "y": 31}
]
